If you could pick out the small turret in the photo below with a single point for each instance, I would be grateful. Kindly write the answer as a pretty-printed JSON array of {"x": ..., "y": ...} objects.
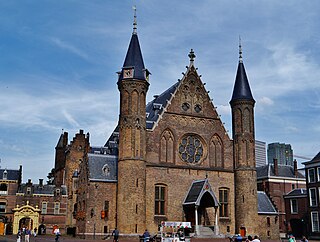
[
  {"x": 133, "y": 86},
  {"x": 245, "y": 178}
]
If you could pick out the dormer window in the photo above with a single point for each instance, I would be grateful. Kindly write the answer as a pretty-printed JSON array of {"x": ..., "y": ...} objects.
[
  {"x": 28, "y": 191},
  {"x": 5, "y": 175},
  {"x": 146, "y": 74},
  {"x": 57, "y": 192},
  {"x": 157, "y": 106}
]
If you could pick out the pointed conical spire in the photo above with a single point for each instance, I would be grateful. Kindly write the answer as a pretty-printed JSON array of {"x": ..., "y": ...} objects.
[
  {"x": 133, "y": 66},
  {"x": 63, "y": 140},
  {"x": 241, "y": 90},
  {"x": 60, "y": 142}
]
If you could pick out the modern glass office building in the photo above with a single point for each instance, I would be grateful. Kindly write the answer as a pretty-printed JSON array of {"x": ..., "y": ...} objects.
[
  {"x": 261, "y": 159},
  {"x": 282, "y": 152}
]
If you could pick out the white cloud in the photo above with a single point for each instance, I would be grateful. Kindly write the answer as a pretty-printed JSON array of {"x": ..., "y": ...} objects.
[
  {"x": 70, "y": 119},
  {"x": 224, "y": 110},
  {"x": 69, "y": 47},
  {"x": 265, "y": 101}
]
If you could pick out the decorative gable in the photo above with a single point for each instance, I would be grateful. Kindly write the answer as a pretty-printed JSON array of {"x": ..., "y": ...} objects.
[{"x": 191, "y": 97}]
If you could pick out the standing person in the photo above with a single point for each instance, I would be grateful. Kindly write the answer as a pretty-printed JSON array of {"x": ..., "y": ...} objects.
[
  {"x": 19, "y": 236},
  {"x": 292, "y": 238},
  {"x": 146, "y": 236},
  {"x": 238, "y": 238},
  {"x": 27, "y": 235},
  {"x": 256, "y": 239},
  {"x": 304, "y": 239},
  {"x": 35, "y": 232},
  {"x": 249, "y": 239},
  {"x": 115, "y": 234}
]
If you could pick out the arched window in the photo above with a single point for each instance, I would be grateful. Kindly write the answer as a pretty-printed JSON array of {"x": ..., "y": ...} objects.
[
  {"x": 216, "y": 151},
  {"x": 166, "y": 147}
]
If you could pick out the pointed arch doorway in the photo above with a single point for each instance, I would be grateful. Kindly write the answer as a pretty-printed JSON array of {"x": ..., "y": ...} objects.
[
  {"x": 198, "y": 206},
  {"x": 26, "y": 216}
]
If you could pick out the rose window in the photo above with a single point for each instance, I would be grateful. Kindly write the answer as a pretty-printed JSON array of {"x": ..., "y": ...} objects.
[{"x": 191, "y": 149}]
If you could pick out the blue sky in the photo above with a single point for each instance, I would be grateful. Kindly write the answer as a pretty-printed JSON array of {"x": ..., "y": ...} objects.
[{"x": 59, "y": 61}]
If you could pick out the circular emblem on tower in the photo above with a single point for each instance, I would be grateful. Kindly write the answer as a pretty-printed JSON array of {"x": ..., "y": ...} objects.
[{"x": 191, "y": 149}]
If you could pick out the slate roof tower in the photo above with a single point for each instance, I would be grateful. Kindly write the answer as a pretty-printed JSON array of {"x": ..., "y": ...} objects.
[
  {"x": 242, "y": 105},
  {"x": 133, "y": 86}
]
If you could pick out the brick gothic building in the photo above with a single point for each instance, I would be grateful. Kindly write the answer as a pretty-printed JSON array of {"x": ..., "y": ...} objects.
[
  {"x": 170, "y": 159},
  {"x": 276, "y": 181},
  {"x": 41, "y": 206}
]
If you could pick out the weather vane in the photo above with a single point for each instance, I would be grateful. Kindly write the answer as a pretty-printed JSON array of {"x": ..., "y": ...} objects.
[
  {"x": 134, "y": 19},
  {"x": 240, "y": 50}
]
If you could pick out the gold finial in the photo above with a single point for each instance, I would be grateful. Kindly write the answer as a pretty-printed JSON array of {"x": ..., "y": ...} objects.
[{"x": 134, "y": 20}]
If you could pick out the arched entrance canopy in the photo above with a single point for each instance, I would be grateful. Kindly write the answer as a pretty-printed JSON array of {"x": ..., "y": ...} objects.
[
  {"x": 198, "y": 190},
  {"x": 200, "y": 196},
  {"x": 26, "y": 211}
]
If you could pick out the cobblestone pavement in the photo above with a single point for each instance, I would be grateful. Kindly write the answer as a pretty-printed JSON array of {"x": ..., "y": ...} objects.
[{"x": 47, "y": 238}]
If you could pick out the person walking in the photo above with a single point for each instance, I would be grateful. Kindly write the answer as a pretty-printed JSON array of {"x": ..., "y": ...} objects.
[
  {"x": 146, "y": 236},
  {"x": 115, "y": 234},
  {"x": 57, "y": 233}
]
